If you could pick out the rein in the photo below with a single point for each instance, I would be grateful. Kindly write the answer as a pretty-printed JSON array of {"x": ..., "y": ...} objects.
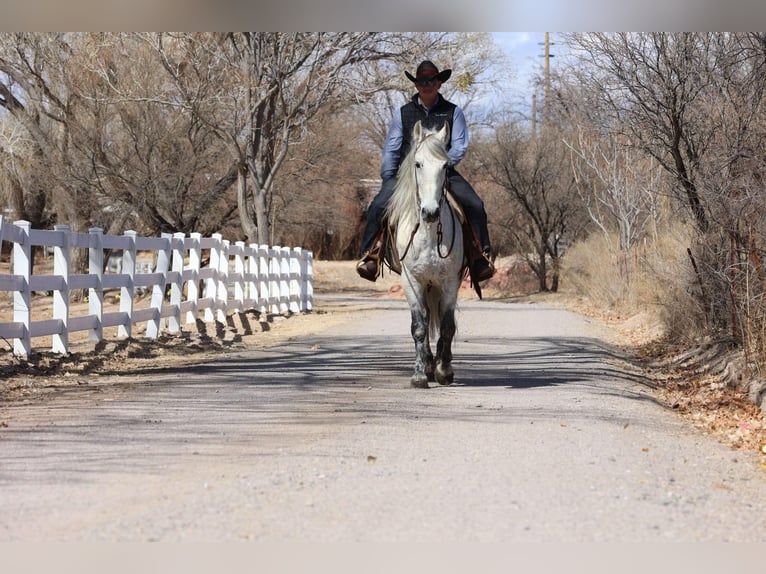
[{"x": 439, "y": 233}]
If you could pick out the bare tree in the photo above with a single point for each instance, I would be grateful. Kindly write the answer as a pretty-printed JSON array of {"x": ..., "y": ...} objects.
[
  {"x": 317, "y": 202},
  {"x": 653, "y": 84},
  {"x": 694, "y": 103},
  {"x": 20, "y": 166},
  {"x": 35, "y": 91},
  {"x": 110, "y": 142},
  {"x": 616, "y": 184},
  {"x": 537, "y": 178},
  {"x": 269, "y": 88}
]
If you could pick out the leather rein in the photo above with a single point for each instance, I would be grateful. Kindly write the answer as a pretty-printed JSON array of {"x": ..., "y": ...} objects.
[{"x": 439, "y": 232}]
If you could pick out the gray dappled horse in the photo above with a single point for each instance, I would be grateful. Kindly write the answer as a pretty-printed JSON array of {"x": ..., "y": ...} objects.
[{"x": 429, "y": 242}]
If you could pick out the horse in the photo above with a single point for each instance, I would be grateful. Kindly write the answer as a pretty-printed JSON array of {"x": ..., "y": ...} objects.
[{"x": 429, "y": 244}]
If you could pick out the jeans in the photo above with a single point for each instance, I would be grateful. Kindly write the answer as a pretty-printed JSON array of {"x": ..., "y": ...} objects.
[{"x": 470, "y": 201}]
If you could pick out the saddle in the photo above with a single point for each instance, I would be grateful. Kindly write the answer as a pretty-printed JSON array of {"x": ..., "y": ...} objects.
[{"x": 471, "y": 247}]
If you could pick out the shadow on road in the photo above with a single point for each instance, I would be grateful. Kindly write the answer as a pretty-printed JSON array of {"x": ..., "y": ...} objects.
[{"x": 302, "y": 386}]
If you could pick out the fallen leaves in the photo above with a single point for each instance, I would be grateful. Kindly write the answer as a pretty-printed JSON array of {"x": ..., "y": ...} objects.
[{"x": 723, "y": 411}]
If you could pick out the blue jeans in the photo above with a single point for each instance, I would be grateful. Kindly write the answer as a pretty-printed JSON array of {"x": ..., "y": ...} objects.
[{"x": 470, "y": 201}]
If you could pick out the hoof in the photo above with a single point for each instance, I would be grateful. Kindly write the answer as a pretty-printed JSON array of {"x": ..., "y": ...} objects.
[
  {"x": 445, "y": 377},
  {"x": 419, "y": 381},
  {"x": 430, "y": 368}
]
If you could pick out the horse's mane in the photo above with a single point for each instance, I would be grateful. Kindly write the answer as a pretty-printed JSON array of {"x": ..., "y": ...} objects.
[{"x": 402, "y": 209}]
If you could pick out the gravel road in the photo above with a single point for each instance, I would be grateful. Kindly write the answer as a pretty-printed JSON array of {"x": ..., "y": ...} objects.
[{"x": 547, "y": 435}]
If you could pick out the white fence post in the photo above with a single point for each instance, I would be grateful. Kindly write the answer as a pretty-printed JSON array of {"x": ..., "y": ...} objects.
[
  {"x": 274, "y": 278},
  {"x": 22, "y": 300},
  {"x": 158, "y": 289},
  {"x": 96, "y": 294},
  {"x": 263, "y": 277},
  {"x": 240, "y": 286},
  {"x": 284, "y": 280},
  {"x": 128, "y": 291},
  {"x": 211, "y": 288},
  {"x": 252, "y": 274},
  {"x": 192, "y": 285},
  {"x": 222, "y": 291},
  {"x": 176, "y": 285},
  {"x": 307, "y": 280},
  {"x": 295, "y": 276},
  {"x": 61, "y": 263}
]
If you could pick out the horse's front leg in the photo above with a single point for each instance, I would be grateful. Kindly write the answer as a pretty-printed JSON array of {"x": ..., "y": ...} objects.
[
  {"x": 424, "y": 360},
  {"x": 443, "y": 372}
]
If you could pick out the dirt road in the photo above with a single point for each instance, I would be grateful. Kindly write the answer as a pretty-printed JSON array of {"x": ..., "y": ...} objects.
[{"x": 546, "y": 435}]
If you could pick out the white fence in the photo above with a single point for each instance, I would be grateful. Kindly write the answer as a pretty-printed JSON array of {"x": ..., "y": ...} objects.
[{"x": 239, "y": 277}]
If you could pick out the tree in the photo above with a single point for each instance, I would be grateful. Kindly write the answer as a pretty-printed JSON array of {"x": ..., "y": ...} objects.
[
  {"x": 108, "y": 137},
  {"x": 35, "y": 93},
  {"x": 653, "y": 84},
  {"x": 268, "y": 87},
  {"x": 616, "y": 182},
  {"x": 537, "y": 178},
  {"x": 318, "y": 200},
  {"x": 694, "y": 103}
]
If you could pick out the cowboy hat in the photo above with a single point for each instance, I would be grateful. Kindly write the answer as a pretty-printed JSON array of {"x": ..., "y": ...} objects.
[{"x": 428, "y": 71}]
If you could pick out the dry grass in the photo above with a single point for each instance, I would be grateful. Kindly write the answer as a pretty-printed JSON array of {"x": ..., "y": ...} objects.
[{"x": 659, "y": 320}]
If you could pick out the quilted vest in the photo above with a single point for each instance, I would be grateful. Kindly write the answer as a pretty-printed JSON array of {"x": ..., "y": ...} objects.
[{"x": 412, "y": 111}]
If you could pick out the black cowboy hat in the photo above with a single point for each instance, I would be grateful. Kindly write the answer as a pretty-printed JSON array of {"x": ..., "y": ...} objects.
[{"x": 427, "y": 71}]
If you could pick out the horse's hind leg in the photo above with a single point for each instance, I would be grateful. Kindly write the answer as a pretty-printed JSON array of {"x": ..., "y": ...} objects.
[
  {"x": 443, "y": 372},
  {"x": 424, "y": 360}
]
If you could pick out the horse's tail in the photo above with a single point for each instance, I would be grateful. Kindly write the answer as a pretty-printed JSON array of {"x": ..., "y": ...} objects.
[{"x": 433, "y": 300}]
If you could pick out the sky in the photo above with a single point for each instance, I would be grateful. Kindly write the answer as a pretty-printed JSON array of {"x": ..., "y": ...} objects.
[{"x": 525, "y": 51}]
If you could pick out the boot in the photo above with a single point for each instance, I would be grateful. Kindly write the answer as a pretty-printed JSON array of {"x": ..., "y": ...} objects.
[
  {"x": 482, "y": 267},
  {"x": 369, "y": 266}
]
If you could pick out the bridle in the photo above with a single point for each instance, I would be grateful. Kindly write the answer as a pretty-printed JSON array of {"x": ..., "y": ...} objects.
[{"x": 439, "y": 231}]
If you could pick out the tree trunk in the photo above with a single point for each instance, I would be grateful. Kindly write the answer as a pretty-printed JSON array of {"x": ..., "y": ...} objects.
[
  {"x": 542, "y": 271},
  {"x": 262, "y": 217},
  {"x": 245, "y": 215},
  {"x": 555, "y": 274}
]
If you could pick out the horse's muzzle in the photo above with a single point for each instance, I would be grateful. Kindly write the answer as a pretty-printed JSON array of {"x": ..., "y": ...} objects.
[{"x": 429, "y": 215}]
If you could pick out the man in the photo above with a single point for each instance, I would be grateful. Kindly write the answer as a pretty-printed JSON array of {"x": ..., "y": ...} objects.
[{"x": 432, "y": 110}]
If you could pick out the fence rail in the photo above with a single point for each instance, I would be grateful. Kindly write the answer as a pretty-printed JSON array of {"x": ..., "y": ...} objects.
[{"x": 238, "y": 277}]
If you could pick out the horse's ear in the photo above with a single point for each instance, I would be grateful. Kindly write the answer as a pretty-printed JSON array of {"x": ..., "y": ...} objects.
[
  {"x": 417, "y": 132},
  {"x": 444, "y": 133}
]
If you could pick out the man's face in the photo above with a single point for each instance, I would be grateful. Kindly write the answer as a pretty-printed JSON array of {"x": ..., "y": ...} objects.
[{"x": 428, "y": 88}]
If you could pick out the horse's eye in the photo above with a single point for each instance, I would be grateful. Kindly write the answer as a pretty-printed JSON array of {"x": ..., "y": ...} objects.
[{"x": 417, "y": 165}]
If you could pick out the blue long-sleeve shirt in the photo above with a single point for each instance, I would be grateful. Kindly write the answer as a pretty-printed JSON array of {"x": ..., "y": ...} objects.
[{"x": 458, "y": 144}]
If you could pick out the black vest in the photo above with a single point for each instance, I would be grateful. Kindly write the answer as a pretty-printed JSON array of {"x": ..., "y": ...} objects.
[{"x": 412, "y": 111}]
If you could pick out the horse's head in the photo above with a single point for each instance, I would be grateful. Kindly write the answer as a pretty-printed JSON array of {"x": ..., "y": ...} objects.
[{"x": 431, "y": 163}]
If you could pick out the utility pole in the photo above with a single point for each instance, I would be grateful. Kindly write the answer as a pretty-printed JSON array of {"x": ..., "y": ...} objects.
[
  {"x": 547, "y": 55},
  {"x": 547, "y": 77}
]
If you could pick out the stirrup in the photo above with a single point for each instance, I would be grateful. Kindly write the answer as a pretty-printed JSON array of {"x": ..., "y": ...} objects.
[
  {"x": 368, "y": 268},
  {"x": 482, "y": 268},
  {"x": 370, "y": 265}
]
